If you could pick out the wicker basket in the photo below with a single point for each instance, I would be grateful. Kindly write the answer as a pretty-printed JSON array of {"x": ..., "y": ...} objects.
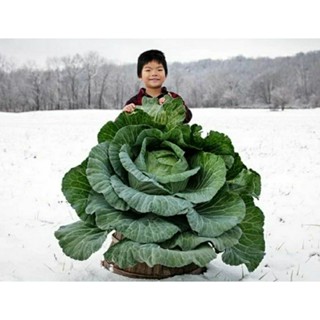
[{"x": 143, "y": 271}]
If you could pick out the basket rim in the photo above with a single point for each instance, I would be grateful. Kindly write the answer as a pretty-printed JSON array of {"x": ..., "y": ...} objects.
[
  {"x": 112, "y": 267},
  {"x": 133, "y": 272}
]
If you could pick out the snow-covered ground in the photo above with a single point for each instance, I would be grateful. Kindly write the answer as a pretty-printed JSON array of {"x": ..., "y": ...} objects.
[{"x": 38, "y": 148}]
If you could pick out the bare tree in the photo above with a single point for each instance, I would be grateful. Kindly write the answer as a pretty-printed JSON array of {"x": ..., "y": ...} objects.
[
  {"x": 263, "y": 85},
  {"x": 73, "y": 66},
  {"x": 103, "y": 76},
  {"x": 34, "y": 78},
  {"x": 6, "y": 67},
  {"x": 91, "y": 63},
  {"x": 55, "y": 68},
  {"x": 280, "y": 98},
  {"x": 302, "y": 73},
  {"x": 215, "y": 88}
]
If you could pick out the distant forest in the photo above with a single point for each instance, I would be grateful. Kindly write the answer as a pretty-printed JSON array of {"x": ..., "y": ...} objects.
[{"x": 90, "y": 81}]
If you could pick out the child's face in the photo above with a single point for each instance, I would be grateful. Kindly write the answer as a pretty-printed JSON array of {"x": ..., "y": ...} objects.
[{"x": 153, "y": 75}]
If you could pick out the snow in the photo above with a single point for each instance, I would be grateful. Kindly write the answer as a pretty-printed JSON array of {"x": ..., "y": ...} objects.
[{"x": 38, "y": 148}]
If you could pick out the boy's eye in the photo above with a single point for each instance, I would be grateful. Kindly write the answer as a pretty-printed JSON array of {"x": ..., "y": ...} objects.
[{"x": 149, "y": 69}]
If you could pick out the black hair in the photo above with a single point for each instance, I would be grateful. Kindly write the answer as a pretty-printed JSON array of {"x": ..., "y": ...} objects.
[{"x": 149, "y": 56}]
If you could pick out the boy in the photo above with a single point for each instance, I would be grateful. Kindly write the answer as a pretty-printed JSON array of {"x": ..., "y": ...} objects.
[{"x": 152, "y": 70}]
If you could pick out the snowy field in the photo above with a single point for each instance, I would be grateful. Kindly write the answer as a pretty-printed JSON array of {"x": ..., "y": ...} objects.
[
  {"x": 38, "y": 280},
  {"x": 38, "y": 148}
]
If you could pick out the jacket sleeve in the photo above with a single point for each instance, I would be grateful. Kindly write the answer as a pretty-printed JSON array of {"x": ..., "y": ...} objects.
[
  {"x": 131, "y": 100},
  {"x": 188, "y": 114}
]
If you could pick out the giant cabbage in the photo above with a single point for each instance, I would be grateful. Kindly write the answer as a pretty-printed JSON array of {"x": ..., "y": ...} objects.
[{"x": 175, "y": 196}]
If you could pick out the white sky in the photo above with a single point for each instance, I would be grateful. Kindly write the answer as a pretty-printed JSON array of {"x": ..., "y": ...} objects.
[
  {"x": 127, "y": 50},
  {"x": 186, "y": 31}
]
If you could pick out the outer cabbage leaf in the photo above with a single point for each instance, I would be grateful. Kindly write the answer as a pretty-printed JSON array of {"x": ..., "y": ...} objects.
[
  {"x": 208, "y": 181},
  {"x": 99, "y": 171},
  {"x": 143, "y": 229},
  {"x": 127, "y": 135},
  {"x": 148, "y": 229},
  {"x": 190, "y": 240},
  {"x": 247, "y": 182},
  {"x": 217, "y": 216},
  {"x": 76, "y": 189},
  {"x": 109, "y": 130},
  {"x": 170, "y": 114},
  {"x": 228, "y": 239},
  {"x": 128, "y": 253},
  {"x": 186, "y": 136},
  {"x": 218, "y": 143},
  {"x": 236, "y": 168},
  {"x": 80, "y": 240},
  {"x": 163, "y": 205},
  {"x": 251, "y": 247}
]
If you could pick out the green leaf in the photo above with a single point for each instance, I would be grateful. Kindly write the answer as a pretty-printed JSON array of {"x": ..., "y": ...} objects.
[
  {"x": 143, "y": 203},
  {"x": 149, "y": 228},
  {"x": 186, "y": 136},
  {"x": 149, "y": 137},
  {"x": 137, "y": 179},
  {"x": 109, "y": 130},
  {"x": 127, "y": 253},
  {"x": 168, "y": 166},
  {"x": 208, "y": 181},
  {"x": 176, "y": 112},
  {"x": 171, "y": 113},
  {"x": 185, "y": 241},
  {"x": 247, "y": 182},
  {"x": 79, "y": 240},
  {"x": 218, "y": 143},
  {"x": 251, "y": 247},
  {"x": 190, "y": 240},
  {"x": 99, "y": 172},
  {"x": 108, "y": 218},
  {"x": 76, "y": 189},
  {"x": 177, "y": 177},
  {"x": 192, "y": 135},
  {"x": 174, "y": 177},
  {"x": 169, "y": 157},
  {"x": 228, "y": 160},
  {"x": 153, "y": 109},
  {"x": 217, "y": 216},
  {"x": 228, "y": 239},
  {"x": 236, "y": 167},
  {"x": 127, "y": 135}
]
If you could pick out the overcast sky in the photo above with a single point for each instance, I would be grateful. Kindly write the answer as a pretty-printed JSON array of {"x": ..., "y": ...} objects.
[
  {"x": 120, "y": 30},
  {"x": 127, "y": 50}
]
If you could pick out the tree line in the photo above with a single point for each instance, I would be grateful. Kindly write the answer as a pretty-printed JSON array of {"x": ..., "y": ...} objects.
[{"x": 91, "y": 81}]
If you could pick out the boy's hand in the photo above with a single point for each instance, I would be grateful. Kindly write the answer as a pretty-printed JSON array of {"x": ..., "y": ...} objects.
[
  {"x": 129, "y": 107},
  {"x": 162, "y": 100}
]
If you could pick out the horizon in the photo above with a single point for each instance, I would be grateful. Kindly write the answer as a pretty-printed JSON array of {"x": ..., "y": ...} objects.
[{"x": 126, "y": 51}]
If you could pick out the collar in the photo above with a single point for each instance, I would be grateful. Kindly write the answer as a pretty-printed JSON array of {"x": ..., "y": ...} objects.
[{"x": 143, "y": 92}]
